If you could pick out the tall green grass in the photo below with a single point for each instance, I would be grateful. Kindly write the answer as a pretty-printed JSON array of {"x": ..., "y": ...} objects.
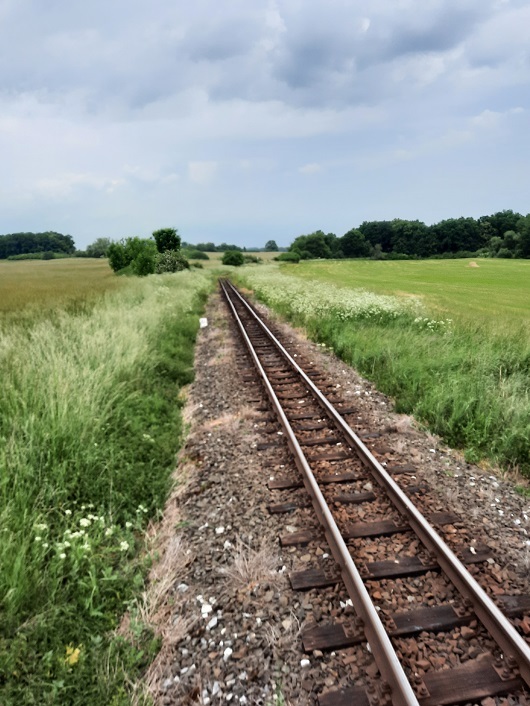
[
  {"x": 89, "y": 427},
  {"x": 465, "y": 379}
]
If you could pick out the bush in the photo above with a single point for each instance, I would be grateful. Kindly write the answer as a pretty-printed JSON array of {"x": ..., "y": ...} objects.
[
  {"x": 170, "y": 261},
  {"x": 143, "y": 264},
  {"x": 288, "y": 257},
  {"x": 128, "y": 251},
  {"x": 233, "y": 257},
  {"x": 39, "y": 256},
  {"x": 196, "y": 255},
  {"x": 252, "y": 258}
]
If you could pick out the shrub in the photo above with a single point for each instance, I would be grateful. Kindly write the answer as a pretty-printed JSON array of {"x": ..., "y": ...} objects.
[
  {"x": 48, "y": 255},
  {"x": 288, "y": 257},
  {"x": 252, "y": 258},
  {"x": 127, "y": 251},
  {"x": 170, "y": 261},
  {"x": 143, "y": 264},
  {"x": 196, "y": 255},
  {"x": 233, "y": 257}
]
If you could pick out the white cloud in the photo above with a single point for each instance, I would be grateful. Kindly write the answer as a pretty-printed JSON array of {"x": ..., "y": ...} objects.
[
  {"x": 202, "y": 172},
  {"x": 312, "y": 168}
]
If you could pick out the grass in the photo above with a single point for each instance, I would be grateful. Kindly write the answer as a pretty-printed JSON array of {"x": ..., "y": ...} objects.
[
  {"x": 34, "y": 285},
  {"x": 450, "y": 343},
  {"x": 496, "y": 289},
  {"x": 216, "y": 257},
  {"x": 90, "y": 423}
]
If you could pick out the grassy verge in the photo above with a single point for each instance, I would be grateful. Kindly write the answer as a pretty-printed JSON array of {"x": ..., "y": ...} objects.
[
  {"x": 89, "y": 426},
  {"x": 467, "y": 382}
]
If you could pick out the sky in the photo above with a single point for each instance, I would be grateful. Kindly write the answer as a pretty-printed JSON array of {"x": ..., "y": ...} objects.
[{"x": 248, "y": 120}]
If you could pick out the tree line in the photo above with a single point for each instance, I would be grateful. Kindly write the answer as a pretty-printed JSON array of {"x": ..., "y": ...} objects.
[
  {"x": 18, "y": 244},
  {"x": 503, "y": 234}
]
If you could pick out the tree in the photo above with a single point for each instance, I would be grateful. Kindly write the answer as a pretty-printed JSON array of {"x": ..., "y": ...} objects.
[
  {"x": 167, "y": 239},
  {"x": 523, "y": 228},
  {"x": 233, "y": 257},
  {"x": 353, "y": 244},
  {"x": 98, "y": 248},
  {"x": 312, "y": 245},
  {"x": 270, "y": 246},
  {"x": 378, "y": 233},
  {"x": 139, "y": 253},
  {"x": 457, "y": 234},
  {"x": 411, "y": 238}
]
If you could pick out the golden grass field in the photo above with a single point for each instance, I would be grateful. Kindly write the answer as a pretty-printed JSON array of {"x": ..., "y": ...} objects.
[{"x": 50, "y": 283}]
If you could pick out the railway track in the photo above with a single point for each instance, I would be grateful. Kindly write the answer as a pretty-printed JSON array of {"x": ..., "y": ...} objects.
[{"x": 344, "y": 482}]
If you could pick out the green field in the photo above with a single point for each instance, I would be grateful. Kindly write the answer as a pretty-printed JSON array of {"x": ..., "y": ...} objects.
[
  {"x": 448, "y": 341},
  {"x": 496, "y": 290}
]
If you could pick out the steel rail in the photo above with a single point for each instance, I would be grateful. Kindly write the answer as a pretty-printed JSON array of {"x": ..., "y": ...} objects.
[
  {"x": 382, "y": 649},
  {"x": 499, "y": 627}
]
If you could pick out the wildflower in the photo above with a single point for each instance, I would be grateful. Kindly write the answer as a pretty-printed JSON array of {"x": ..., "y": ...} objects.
[
  {"x": 84, "y": 522},
  {"x": 67, "y": 512},
  {"x": 62, "y": 555},
  {"x": 38, "y": 539},
  {"x": 67, "y": 544},
  {"x": 109, "y": 531},
  {"x": 72, "y": 655},
  {"x": 45, "y": 545},
  {"x": 86, "y": 547},
  {"x": 42, "y": 527},
  {"x": 128, "y": 525},
  {"x": 124, "y": 546}
]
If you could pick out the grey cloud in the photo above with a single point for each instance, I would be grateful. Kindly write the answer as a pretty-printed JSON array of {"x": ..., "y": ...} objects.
[{"x": 214, "y": 42}]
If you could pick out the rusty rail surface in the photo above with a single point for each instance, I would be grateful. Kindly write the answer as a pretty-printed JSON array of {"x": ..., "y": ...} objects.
[{"x": 516, "y": 650}]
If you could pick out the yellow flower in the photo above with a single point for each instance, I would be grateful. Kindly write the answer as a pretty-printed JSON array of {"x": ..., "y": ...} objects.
[{"x": 72, "y": 655}]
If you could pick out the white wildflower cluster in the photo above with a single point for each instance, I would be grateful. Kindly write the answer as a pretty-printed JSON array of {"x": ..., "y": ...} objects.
[
  {"x": 433, "y": 325},
  {"x": 317, "y": 299},
  {"x": 86, "y": 533}
]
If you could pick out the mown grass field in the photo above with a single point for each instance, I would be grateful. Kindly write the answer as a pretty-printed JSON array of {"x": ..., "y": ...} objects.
[
  {"x": 494, "y": 290},
  {"x": 90, "y": 424},
  {"x": 448, "y": 341}
]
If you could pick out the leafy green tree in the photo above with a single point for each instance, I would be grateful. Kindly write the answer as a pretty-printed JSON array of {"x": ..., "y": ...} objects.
[
  {"x": 270, "y": 246},
  {"x": 167, "y": 239},
  {"x": 523, "y": 228},
  {"x": 224, "y": 247},
  {"x": 313, "y": 245},
  {"x": 378, "y": 233},
  {"x": 144, "y": 263},
  {"x": 98, "y": 248},
  {"x": 411, "y": 238},
  {"x": 457, "y": 234},
  {"x": 501, "y": 221},
  {"x": 233, "y": 257},
  {"x": 353, "y": 244},
  {"x": 139, "y": 253}
]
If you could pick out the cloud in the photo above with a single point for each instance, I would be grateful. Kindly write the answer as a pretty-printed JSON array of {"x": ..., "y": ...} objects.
[
  {"x": 108, "y": 108},
  {"x": 312, "y": 168},
  {"x": 202, "y": 172}
]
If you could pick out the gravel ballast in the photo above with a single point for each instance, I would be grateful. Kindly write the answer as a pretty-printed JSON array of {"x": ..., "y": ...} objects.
[{"x": 232, "y": 623}]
